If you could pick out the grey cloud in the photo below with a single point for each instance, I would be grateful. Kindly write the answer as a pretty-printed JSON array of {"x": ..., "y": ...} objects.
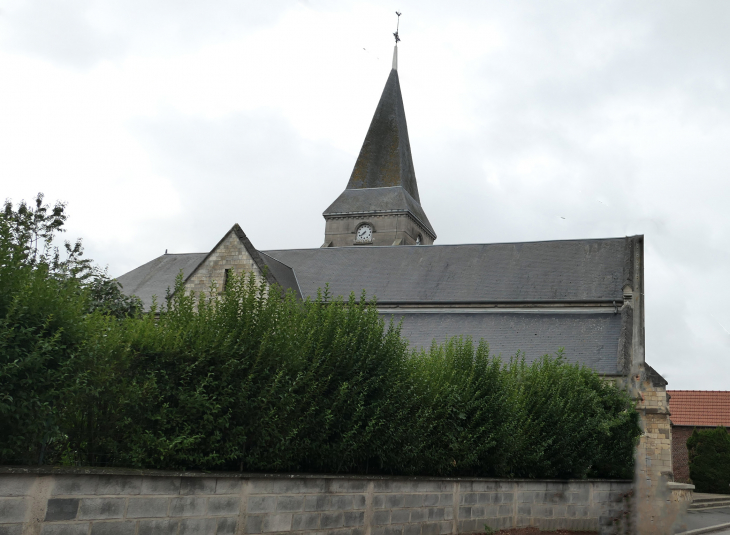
[
  {"x": 81, "y": 33},
  {"x": 549, "y": 95},
  {"x": 247, "y": 168},
  {"x": 60, "y": 32},
  {"x": 558, "y": 87}
]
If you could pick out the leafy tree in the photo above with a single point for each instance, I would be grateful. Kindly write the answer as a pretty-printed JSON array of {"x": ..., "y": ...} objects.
[
  {"x": 709, "y": 460},
  {"x": 40, "y": 321},
  {"x": 46, "y": 295}
]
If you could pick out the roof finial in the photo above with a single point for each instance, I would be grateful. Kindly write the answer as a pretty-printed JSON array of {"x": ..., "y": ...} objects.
[
  {"x": 397, "y": 38},
  {"x": 395, "y": 49}
]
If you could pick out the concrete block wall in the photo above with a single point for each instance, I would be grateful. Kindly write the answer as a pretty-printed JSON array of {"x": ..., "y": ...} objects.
[{"x": 67, "y": 502}]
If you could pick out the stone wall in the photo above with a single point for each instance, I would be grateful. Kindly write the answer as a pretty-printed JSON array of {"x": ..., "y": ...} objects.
[
  {"x": 660, "y": 503},
  {"x": 61, "y": 502},
  {"x": 388, "y": 229},
  {"x": 231, "y": 254}
]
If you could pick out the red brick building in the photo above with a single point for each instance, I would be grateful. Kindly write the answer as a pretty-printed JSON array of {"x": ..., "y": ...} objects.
[{"x": 690, "y": 409}]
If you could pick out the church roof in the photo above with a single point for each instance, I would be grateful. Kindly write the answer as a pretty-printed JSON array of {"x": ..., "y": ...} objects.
[
  {"x": 383, "y": 179},
  {"x": 587, "y": 338},
  {"x": 284, "y": 275},
  {"x": 570, "y": 271},
  {"x": 379, "y": 200},
  {"x": 440, "y": 291},
  {"x": 156, "y": 276},
  {"x": 385, "y": 157},
  {"x": 575, "y": 270},
  {"x": 434, "y": 291}
]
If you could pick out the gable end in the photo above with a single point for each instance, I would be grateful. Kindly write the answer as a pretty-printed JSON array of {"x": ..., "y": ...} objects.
[{"x": 235, "y": 252}]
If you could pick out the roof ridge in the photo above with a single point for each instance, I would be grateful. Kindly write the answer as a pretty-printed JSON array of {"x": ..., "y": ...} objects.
[
  {"x": 451, "y": 244},
  {"x": 703, "y": 391},
  {"x": 247, "y": 245}
]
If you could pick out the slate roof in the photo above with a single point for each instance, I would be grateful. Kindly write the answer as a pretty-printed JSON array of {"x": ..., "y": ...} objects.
[
  {"x": 440, "y": 278},
  {"x": 379, "y": 200},
  {"x": 587, "y": 338},
  {"x": 283, "y": 274},
  {"x": 268, "y": 266},
  {"x": 530, "y": 271},
  {"x": 385, "y": 157},
  {"x": 383, "y": 179},
  {"x": 709, "y": 408},
  {"x": 155, "y": 277}
]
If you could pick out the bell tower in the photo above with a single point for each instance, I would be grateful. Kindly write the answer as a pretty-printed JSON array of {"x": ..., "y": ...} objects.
[{"x": 380, "y": 205}]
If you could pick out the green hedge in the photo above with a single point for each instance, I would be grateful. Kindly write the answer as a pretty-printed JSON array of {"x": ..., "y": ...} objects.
[
  {"x": 255, "y": 380},
  {"x": 709, "y": 460}
]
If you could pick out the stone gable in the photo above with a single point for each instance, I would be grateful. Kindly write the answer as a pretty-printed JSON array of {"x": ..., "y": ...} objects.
[{"x": 229, "y": 254}]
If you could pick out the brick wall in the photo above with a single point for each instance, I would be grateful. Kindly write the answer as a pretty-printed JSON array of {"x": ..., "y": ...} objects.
[
  {"x": 146, "y": 503},
  {"x": 680, "y": 459},
  {"x": 680, "y": 455}
]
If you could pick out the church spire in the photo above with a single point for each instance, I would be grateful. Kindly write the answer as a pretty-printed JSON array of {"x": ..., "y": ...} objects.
[
  {"x": 385, "y": 157},
  {"x": 382, "y": 190}
]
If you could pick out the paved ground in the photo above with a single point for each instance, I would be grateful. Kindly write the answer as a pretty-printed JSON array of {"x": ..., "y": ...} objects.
[
  {"x": 702, "y": 495},
  {"x": 711, "y": 517}
]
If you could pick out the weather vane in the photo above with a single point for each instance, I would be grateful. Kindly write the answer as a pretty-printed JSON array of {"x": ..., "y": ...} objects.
[{"x": 397, "y": 38}]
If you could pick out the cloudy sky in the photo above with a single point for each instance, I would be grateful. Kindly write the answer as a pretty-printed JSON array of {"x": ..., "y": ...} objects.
[{"x": 162, "y": 123}]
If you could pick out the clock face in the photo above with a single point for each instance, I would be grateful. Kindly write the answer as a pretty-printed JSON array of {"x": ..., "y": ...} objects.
[{"x": 364, "y": 233}]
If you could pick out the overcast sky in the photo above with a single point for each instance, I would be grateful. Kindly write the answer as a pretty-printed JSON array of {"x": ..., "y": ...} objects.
[{"x": 162, "y": 123}]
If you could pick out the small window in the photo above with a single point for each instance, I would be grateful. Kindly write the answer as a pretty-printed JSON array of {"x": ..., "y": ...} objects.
[
  {"x": 419, "y": 240},
  {"x": 226, "y": 278}
]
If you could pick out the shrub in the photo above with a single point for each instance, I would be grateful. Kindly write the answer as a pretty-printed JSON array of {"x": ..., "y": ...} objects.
[
  {"x": 46, "y": 300},
  {"x": 257, "y": 381},
  {"x": 41, "y": 319},
  {"x": 709, "y": 460},
  {"x": 254, "y": 379},
  {"x": 262, "y": 382}
]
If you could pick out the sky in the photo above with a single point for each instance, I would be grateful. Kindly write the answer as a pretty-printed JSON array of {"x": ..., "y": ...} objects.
[{"x": 163, "y": 123}]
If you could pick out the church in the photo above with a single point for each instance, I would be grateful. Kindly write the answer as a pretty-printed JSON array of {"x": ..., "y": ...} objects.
[{"x": 585, "y": 296}]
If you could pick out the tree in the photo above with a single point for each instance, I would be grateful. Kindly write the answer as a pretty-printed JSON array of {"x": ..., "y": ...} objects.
[
  {"x": 709, "y": 460},
  {"x": 45, "y": 298}
]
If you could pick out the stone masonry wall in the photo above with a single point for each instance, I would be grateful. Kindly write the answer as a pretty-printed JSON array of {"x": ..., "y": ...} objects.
[
  {"x": 34, "y": 501},
  {"x": 660, "y": 503},
  {"x": 229, "y": 254}
]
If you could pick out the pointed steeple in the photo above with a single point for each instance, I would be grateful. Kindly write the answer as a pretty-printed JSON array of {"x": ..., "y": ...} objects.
[
  {"x": 385, "y": 157},
  {"x": 382, "y": 192}
]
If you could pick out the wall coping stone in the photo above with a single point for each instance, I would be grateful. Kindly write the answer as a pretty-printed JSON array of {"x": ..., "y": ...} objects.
[
  {"x": 81, "y": 470},
  {"x": 680, "y": 486}
]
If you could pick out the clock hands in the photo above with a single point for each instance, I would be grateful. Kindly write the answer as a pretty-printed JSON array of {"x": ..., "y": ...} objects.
[{"x": 364, "y": 233}]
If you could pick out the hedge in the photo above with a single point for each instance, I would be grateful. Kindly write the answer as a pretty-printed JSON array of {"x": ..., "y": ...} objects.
[
  {"x": 253, "y": 379},
  {"x": 709, "y": 460}
]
